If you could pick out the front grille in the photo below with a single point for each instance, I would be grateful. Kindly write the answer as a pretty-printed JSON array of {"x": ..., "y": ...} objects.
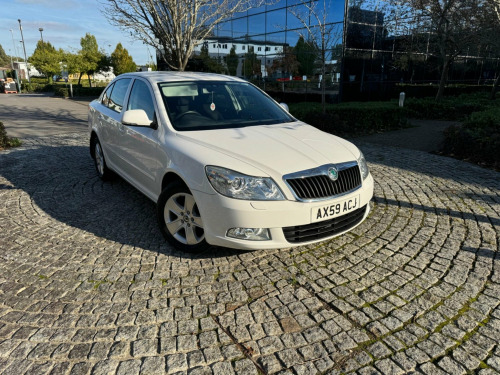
[
  {"x": 324, "y": 229},
  {"x": 321, "y": 186}
]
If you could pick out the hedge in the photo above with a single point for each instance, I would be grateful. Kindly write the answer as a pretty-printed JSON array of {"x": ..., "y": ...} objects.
[
  {"x": 478, "y": 139},
  {"x": 423, "y": 91},
  {"x": 61, "y": 91},
  {"x": 354, "y": 118},
  {"x": 450, "y": 108},
  {"x": 87, "y": 91}
]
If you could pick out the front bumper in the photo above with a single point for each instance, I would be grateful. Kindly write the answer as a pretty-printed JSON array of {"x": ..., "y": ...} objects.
[{"x": 221, "y": 213}]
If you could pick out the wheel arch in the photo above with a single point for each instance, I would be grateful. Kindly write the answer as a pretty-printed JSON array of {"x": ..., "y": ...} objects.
[
  {"x": 171, "y": 177},
  {"x": 93, "y": 138}
]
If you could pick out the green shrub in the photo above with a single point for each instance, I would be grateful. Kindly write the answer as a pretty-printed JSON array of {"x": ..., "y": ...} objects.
[
  {"x": 426, "y": 90},
  {"x": 61, "y": 91},
  {"x": 87, "y": 91},
  {"x": 36, "y": 86},
  {"x": 478, "y": 139},
  {"x": 6, "y": 141},
  {"x": 353, "y": 118},
  {"x": 450, "y": 108}
]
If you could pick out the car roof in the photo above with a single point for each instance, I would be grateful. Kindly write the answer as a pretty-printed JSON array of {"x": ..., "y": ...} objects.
[{"x": 170, "y": 76}]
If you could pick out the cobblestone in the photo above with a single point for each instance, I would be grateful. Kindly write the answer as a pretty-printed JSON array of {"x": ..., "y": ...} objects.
[{"x": 88, "y": 285}]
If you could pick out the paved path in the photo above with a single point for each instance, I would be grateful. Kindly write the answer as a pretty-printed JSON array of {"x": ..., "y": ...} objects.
[
  {"x": 88, "y": 285},
  {"x": 35, "y": 115},
  {"x": 424, "y": 135}
]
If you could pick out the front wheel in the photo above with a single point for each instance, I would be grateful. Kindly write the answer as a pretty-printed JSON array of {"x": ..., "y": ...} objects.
[{"x": 180, "y": 220}]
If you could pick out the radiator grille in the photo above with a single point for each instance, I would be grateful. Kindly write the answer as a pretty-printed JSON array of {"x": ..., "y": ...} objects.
[{"x": 321, "y": 186}]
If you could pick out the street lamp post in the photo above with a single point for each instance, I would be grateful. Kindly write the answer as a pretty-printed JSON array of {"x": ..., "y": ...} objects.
[
  {"x": 17, "y": 56},
  {"x": 41, "y": 33},
  {"x": 14, "y": 43},
  {"x": 11, "y": 63},
  {"x": 24, "y": 49}
]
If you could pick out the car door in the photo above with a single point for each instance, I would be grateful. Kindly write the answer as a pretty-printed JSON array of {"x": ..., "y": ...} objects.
[
  {"x": 111, "y": 121},
  {"x": 138, "y": 145}
]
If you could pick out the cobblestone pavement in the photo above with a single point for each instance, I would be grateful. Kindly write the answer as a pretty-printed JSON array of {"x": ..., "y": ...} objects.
[{"x": 88, "y": 286}]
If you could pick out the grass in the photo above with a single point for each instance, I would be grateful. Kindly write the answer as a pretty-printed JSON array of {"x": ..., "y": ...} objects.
[{"x": 6, "y": 141}]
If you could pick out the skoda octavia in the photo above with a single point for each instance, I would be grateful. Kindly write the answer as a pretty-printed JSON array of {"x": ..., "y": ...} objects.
[{"x": 226, "y": 164}]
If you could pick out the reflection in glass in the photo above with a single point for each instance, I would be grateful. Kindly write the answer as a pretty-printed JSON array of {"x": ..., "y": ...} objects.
[{"x": 276, "y": 20}]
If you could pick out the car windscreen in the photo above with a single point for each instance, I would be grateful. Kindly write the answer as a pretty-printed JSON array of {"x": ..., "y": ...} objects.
[{"x": 204, "y": 105}]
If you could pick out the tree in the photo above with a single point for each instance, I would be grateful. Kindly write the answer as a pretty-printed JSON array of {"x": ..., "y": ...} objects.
[
  {"x": 72, "y": 62},
  {"x": 306, "y": 55},
  {"x": 251, "y": 64},
  {"x": 232, "y": 61},
  {"x": 46, "y": 59},
  {"x": 454, "y": 23},
  {"x": 491, "y": 31},
  {"x": 121, "y": 61},
  {"x": 4, "y": 59},
  {"x": 90, "y": 56},
  {"x": 172, "y": 27},
  {"x": 321, "y": 34},
  {"x": 210, "y": 64},
  {"x": 286, "y": 62}
]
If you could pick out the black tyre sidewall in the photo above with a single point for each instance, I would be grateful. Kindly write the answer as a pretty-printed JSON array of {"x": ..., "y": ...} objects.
[{"x": 107, "y": 173}]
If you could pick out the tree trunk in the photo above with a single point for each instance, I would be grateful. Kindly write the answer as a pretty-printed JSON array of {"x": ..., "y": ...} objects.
[
  {"x": 444, "y": 78},
  {"x": 495, "y": 87},
  {"x": 323, "y": 79},
  {"x": 90, "y": 82},
  {"x": 80, "y": 78}
]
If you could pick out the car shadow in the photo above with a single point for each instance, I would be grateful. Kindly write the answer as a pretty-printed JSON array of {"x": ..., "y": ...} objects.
[{"x": 61, "y": 182}]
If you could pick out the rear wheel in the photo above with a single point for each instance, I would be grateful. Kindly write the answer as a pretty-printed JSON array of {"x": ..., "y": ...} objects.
[
  {"x": 180, "y": 220},
  {"x": 100, "y": 163}
]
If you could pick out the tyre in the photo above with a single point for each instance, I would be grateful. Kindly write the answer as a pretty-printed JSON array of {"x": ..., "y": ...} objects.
[
  {"x": 180, "y": 220},
  {"x": 99, "y": 161}
]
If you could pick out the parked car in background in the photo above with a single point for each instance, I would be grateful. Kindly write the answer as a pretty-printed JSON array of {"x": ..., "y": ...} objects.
[{"x": 225, "y": 163}]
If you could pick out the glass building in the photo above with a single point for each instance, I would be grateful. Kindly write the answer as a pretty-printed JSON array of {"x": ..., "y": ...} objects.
[{"x": 367, "y": 51}]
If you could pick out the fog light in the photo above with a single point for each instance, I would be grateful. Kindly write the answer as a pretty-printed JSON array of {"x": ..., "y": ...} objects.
[{"x": 251, "y": 234}]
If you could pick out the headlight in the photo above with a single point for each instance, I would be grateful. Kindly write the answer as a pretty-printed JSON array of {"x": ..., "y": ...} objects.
[
  {"x": 236, "y": 185},
  {"x": 363, "y": 167}
]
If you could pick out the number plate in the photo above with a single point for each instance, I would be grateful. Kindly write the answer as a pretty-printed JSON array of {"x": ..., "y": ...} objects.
[{"x": 333, "y": 210}]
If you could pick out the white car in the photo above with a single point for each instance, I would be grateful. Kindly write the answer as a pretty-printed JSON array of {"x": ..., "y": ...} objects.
[{"x": 226, "y": 164}]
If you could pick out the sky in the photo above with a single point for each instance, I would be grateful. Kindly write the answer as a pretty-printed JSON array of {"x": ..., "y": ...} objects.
[{"x": 64, "y": 23}]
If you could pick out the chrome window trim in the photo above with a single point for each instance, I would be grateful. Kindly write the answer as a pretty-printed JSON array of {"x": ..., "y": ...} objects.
[{"x": 318, "y": 171}]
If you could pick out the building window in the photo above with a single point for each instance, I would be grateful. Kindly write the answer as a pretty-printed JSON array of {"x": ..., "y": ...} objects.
[
  {"x": 275, "y": 48},
  {"x": 268, "y": 49},
  {"x": 243, "y": 47},
  {"x": 259, "y": 48},
  {"x": 214, "y": 45},
  {"x": 224, "y": 46}
]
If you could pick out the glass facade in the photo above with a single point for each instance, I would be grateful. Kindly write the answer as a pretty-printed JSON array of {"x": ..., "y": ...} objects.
[
  {"x": 271, "y": 31},
  {"x": 371, "y": 48}
]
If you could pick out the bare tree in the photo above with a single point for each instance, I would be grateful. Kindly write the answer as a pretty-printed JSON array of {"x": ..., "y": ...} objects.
[
  {"x": 455, "y": 26},
  {"x": 173, "y": 27},
  {"x": 323, "y": 34},
  {"x": 491, "y": 31}
]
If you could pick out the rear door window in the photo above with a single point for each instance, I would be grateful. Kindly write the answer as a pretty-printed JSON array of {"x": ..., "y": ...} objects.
[
  {"x": 106, "y": 94},
  {"x": 117, "y": 96}
]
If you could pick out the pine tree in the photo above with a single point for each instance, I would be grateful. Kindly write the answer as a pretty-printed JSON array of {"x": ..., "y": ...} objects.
[{"x": 121, "y": 61}]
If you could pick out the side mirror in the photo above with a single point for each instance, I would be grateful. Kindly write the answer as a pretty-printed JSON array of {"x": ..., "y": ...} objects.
[
  {"x": 285, "y": 107},
  {"x": 136, "y": 117}
]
